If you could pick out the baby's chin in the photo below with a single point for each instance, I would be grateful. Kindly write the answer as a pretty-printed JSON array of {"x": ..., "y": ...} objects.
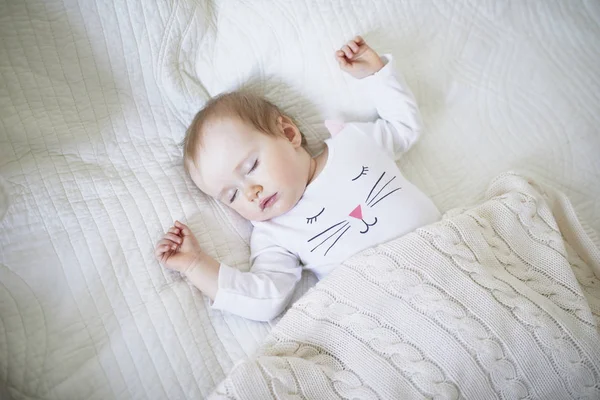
[{"x": 266, "y": 216}]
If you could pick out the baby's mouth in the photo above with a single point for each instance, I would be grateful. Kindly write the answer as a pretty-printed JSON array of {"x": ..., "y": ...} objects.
[{"x": 268, "y": 202}]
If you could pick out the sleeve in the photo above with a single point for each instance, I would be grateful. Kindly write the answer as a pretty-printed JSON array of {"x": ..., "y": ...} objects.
[
  {"x": 399, "y": 124},
  {"x": 263, "y": 292}
]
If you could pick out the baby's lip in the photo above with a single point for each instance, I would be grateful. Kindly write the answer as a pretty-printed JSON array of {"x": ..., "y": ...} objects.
[{"x": 268, "y": 201}]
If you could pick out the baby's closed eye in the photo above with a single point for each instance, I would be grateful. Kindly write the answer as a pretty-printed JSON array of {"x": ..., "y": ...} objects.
[{"x": 254, "y": 165}]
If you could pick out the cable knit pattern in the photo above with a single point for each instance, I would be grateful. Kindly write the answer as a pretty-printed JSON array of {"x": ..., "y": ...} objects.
[{"x": 499, "y": 301}]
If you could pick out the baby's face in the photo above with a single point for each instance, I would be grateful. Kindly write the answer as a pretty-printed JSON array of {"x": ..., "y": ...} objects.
[{"x": 259, "y": 176}]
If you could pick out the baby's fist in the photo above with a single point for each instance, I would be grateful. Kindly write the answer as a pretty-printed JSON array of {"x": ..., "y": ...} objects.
[
  {"x": 179, "y": 249},
  {"x": 358, "y": 59}
]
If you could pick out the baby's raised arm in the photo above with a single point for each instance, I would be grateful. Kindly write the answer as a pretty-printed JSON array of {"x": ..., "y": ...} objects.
[{"x": 399, "y": 125}]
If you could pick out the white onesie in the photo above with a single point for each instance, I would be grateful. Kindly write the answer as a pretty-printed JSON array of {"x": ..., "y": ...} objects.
[{"x": 360, "y": 199}]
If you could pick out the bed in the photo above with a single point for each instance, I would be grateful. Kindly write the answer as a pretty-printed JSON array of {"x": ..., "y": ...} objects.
[{"x": 94, "y": 101}]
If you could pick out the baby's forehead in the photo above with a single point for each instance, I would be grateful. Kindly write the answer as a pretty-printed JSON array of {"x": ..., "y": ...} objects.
[
  {"x": 224, "y": 145},
  {"x": 225, "y": 129}
]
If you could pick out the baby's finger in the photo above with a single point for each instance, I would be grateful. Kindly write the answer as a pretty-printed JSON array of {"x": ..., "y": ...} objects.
[
  {"x": 174, "y": 238},
  {"x": 352, "y": 44},
  {"x": 164, "y": 243},
  {"x": 167, "y": 242},
  {"x": 342, "y": 61},
  {"x": 174, "y": 230},
  {"x": 347, "y": 51},
  {"x": 358, "y": 40},
  {"x": 164, "y": 256},
  {"x": 185, "y": 231},
  {"x": 161, "y": 249}
]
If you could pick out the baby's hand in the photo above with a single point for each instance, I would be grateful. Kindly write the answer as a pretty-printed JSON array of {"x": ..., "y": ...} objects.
[
  {"x": 358, "y": 59},
  {"x": 178, "y": 249}
]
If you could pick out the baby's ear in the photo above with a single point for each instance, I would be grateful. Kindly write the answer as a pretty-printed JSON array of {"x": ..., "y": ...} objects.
[{"x": 290, "y": 130}]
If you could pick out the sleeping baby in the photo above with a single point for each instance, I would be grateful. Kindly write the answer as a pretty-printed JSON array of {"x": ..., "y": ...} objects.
[{"x": 308, "y": 212}]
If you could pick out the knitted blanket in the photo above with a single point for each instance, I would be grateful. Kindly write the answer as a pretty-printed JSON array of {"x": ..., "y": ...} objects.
[{"x": 501, "y": 300}]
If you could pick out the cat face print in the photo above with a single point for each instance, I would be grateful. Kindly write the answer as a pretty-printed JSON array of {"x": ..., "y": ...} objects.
[{"x": 383, "y": 188}]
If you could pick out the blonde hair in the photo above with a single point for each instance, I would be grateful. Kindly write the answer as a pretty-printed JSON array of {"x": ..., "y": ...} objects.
[{"x": 249, "y": 108}]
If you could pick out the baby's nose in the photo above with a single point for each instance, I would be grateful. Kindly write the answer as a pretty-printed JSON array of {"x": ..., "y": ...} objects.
[{"x": 253, "y": 191}]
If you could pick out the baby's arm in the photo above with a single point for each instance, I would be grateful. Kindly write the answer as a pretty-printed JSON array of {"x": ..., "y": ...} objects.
[
  {"x": 260, "y": 294},
  {"x": 400, "y": 123},
  {"x": 263, "y": 292}
]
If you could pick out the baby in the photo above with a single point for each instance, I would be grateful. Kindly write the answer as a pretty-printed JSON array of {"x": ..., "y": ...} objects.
[{"x": 307, "y": 212}]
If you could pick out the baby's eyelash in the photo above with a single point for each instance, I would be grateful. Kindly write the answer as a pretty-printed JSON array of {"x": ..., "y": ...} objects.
[
  {"x": 254, "y": 166},
  {"x": 314, "y": 219},
  {"x": 363, "y": 172},
  {"x": 232, "y": 199}
]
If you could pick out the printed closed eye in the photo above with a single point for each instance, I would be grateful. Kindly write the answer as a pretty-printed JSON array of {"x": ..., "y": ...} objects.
[
  {"x": 362, "y": 173},
  {"x": 310, "y": 220},
  {"x": 331, "y": 235}
]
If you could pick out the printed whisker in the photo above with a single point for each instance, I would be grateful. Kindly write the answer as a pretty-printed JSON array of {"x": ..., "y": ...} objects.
[
  {"x": 380, "y": 190},
  {"x": 329, "y": 237},
  {"x": 395, "y": 190},
  {"x": 374, "y": 186},
  {"x": 328, "y": 229},
  {"x": 336, "y": 240}
]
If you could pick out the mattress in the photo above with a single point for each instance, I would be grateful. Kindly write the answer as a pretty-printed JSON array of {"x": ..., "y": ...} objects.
[{"x": 94, "y": 101}]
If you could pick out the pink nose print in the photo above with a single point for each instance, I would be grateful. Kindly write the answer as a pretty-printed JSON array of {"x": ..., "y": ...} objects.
[{"x": 357, "y": 212}]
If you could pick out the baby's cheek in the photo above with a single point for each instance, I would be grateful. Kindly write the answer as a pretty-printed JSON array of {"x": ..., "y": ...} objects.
[
  {"x": 291, "y": 177},
  {"x": 285, "y": 172},
  {"x": 278, "y": 172}
]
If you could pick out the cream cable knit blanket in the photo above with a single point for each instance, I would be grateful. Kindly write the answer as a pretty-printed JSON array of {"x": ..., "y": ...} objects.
[{"x": 498, "y": 301}]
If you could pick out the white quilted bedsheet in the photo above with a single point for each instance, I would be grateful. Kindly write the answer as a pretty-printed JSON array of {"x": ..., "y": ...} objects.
[{"x": 94, "y": 99}]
